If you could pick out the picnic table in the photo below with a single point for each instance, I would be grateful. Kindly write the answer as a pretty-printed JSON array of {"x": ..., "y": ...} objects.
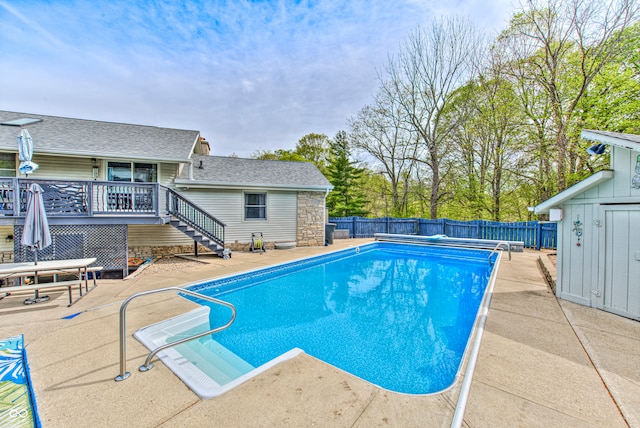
[{"x": 48, "y": 268}]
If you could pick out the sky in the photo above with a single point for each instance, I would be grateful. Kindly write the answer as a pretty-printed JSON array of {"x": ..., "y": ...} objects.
[{"x": 249, "y": 75}]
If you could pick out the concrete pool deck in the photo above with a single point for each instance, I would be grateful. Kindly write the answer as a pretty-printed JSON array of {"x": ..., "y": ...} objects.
[{"x": 542, "y": 362}]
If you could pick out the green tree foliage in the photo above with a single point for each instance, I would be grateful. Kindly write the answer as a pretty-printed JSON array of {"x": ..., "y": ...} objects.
[
  {"x": 346, "y": 198},
  {"x": 282, "y": 155},
  {"x": 314, "y": 148}
]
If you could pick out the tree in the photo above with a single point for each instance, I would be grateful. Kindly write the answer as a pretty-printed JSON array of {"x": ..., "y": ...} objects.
[
  {"x": 279, "y": 154},
  {"x": 378, "y": 131},
  {"x": 563, "y": 46},
  {"x": 314, "y": 148},
  {"x": 431, "y": 65},
  {"x": 345, "y": 199}
]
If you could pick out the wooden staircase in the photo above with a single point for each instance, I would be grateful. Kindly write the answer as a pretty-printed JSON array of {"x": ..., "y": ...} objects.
[
  {"x": 196, "y": 223},
  {"x": 200, "y": 238}
]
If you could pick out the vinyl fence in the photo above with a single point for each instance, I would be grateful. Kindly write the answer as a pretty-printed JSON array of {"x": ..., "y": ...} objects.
[{"x": 534, "y": 234}]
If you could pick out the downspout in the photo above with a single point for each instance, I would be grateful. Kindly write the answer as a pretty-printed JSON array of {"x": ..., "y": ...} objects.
[{"x": 326, "y": 217}]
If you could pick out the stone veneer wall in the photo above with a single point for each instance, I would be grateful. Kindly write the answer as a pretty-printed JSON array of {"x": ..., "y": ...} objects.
[
  {"x": 6, "y": 257},
  {"x": 310, "y": 224},
  {"x": 144, "y": 252}
]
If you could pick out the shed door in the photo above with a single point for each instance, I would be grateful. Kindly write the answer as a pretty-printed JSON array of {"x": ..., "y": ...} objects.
[{"x": 621, "y": 293}]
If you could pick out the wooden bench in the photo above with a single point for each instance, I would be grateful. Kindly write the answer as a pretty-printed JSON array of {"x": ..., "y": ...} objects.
[{"x": 45, "y": 286}]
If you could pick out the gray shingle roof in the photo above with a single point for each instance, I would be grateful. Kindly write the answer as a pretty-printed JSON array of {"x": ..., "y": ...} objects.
[
  {"x": 220, "y": 171},
  {"x": 78, "y": 137}
]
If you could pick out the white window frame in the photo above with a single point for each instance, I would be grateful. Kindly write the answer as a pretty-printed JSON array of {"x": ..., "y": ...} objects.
[
  {"x": 132, "y": 169},
  {"x": 245, "y": 206}
]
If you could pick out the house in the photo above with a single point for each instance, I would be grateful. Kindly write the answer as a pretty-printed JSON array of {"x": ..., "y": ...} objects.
[
  {"x": 116, "y": 191},
  {"x": 599, "y": 230}
]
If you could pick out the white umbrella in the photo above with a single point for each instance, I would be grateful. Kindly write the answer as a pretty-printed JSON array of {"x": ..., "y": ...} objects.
[
  {"x": 25, "y": 147},
  {"x": 35, "y": 235}
]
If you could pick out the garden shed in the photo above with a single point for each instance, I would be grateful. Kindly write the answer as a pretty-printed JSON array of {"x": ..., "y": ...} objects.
[{"x": 599, "y": 230}]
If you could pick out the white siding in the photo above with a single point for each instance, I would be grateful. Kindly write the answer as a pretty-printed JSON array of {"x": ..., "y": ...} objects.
[
  {"x": 153, "y": 235},
  {"x": 167, "y": 174},
  {"x": 228, "y": 207},
  {"x": 70, "y": 168},
  {"x": 62, "y": 168},
  {"x": 6, "y": 246}
]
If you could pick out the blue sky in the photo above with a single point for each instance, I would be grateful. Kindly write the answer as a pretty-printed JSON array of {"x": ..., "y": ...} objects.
[{"x": 249, "y": 75}]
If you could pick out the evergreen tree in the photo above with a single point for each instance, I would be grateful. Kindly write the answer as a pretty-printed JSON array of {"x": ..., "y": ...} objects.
[{"x": 346, "y": 198}]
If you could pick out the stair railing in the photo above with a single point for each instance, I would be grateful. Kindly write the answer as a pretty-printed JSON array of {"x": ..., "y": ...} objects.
[
  {"x": 124, "y": 374},
  {"x": 195, "y": 217}
]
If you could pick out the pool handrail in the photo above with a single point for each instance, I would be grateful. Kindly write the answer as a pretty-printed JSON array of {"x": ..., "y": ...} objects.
[
  {"x": 497, "y": 247},
  {"x": 124, "y": 374}
]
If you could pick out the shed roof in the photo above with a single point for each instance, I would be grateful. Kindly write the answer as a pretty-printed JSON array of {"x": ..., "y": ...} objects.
[
  {"x": 575, "y": 190},
  {"x": 83, "y": 138},
  {"x": 628, "y": 141},
  {"x": 230, "y": 172}
]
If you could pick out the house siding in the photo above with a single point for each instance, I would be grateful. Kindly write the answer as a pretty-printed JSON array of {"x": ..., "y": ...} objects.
[
  {"x": 228, "y": 207},
  {"x": 71, "y": 168},
  {"x": 58, "y": 168}
]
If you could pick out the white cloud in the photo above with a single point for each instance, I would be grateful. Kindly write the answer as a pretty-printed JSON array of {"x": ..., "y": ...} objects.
[{"x": 248, "y": 75}]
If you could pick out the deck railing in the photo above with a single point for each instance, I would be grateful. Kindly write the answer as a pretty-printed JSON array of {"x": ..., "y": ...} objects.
[{"x": 81, "y": 198}]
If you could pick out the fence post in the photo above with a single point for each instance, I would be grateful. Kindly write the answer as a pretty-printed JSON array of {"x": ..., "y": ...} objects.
[
  {"x": 354, "y": 226},
  {"x": 538, "y": 235}
]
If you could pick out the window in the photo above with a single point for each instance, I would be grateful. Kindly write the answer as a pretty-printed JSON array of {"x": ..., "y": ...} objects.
[
  {"x": 137, "y": 172},
  {"x": 7, "y": 165},
  {"x": 255, "y": 206}
]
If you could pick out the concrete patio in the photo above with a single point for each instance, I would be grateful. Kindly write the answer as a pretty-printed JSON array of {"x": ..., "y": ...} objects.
[{"x": 542, "y": 362}]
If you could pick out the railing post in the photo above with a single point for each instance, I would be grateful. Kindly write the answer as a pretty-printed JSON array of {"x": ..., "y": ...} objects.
[
  {"x": 156, "y": 199},
  {"x": 90, "y": 199},
  {"x": 16, "y": 197}
]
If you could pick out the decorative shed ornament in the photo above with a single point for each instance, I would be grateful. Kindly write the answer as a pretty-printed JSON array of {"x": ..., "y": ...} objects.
[
  {"x": 577, "y": 228},
  {"x": 635, "y": 182}
]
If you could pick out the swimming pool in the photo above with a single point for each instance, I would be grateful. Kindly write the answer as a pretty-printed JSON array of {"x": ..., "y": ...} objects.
[{"x": 397, "y": 315}]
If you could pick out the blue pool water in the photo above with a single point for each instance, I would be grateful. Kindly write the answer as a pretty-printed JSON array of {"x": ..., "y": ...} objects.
[{"x": 396, "y": 315}]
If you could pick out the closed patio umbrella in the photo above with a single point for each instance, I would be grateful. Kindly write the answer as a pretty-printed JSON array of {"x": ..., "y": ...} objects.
[
  {"x": 35, "y": 234},
  {"x": 25, "y": 149}
]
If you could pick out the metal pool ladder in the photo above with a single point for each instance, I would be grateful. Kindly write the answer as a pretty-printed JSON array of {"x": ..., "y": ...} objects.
[{"x": 147, "y": 364}]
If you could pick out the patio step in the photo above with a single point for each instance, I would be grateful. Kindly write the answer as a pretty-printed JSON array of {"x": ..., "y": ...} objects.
[{"x": 218, "y": 362}]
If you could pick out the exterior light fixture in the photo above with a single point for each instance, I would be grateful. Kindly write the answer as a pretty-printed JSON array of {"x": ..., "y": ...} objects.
[
  {"x": 96, "y": 169},
  {"x": 598, "y": 149}
]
